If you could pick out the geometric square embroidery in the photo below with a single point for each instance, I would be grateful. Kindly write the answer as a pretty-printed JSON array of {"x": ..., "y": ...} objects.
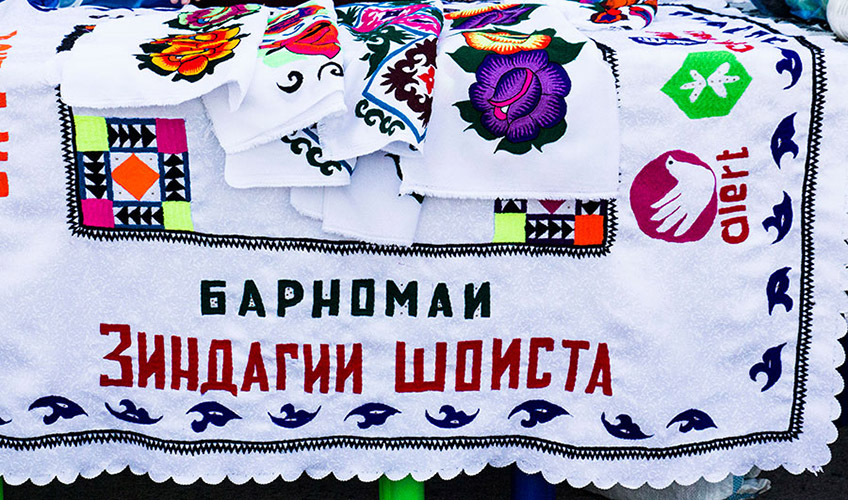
[
  {"x": 90, "y": 133},
  {"x": 509, "y": 228},
  {"x": 171, "y": 135},
  {"x": 510, "y": 206},
  {"x": 588, "y": 230},
  {"x": 138, "y": 216},
  {"x": 550, "y": 229},
  {"x": 97, "y": 213},
  {"x": 94, "y": 174},
  {"x": 177, "y": 215},
  {"x": 132, "y": 173},
  {"x": 560, "y": 223},
  {"x": 135, "y": 176},
  {"x": 175, "y": 179}
]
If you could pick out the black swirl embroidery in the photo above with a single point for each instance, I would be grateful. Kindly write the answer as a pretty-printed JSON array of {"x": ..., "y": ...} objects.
[
  {"x": 297, "y": 78},
  {"x": 372, "y": 117}
]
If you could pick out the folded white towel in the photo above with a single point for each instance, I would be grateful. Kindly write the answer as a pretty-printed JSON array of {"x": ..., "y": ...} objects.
[
  {"x": 295, "y": 160},
  {"x": 165, "y": 58},
  {"x": 390, "y": 67},
  {"x": 370, "y": 208},
  {"x": 308, "y": 201},
  {"x": 520, "y": 114},
  {"x": 296, "y": 82}
]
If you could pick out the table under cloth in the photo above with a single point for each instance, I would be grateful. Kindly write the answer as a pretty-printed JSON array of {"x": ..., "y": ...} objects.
[{"x": 686, "y": 328}]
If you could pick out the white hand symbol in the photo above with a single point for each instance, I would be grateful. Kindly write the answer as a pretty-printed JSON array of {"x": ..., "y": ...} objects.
[{"x": 687, "y": 199}]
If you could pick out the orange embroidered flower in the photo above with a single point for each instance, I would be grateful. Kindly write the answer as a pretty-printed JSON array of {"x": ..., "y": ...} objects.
[
  {"x": 502, "y": 42},
  {"x": 190, "y": 56}
]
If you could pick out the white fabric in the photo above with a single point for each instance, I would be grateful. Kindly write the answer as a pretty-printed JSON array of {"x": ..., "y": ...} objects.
[
  {"x": 461, "y": 162},
  {"x": 370, "y": 209},
  {"x": 295, "y": 160},
  {"x": 684, "y": 322},
  {"x": 289, "y": 90},
  {"x": 308, "y": 201},
  {"x": 103, "y": 69}
]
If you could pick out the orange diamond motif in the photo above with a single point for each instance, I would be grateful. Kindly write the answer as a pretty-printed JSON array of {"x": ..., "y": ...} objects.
[{"x": 135, "y": 176}]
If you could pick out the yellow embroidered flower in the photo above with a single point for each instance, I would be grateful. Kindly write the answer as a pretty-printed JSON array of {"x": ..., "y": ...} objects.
[{"x": 501, "y": 42}]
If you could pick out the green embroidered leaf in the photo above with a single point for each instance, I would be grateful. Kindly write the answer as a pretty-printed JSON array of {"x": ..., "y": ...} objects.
[
  {"x": 562, "y": 52},
  {"x": 467, "y": 111},
  {"x": 512, "y": 147},
  {"x": 394, "y": 34},
  {"x": 549, "y": 135},
  {"x": 468, "y": 59},
  {"x": 348, "y": 16},
  {"x": 472, "y": 116},
  {"x": 380, "y": 45}
]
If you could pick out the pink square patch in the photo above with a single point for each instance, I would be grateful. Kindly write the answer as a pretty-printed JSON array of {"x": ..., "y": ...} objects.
[
  {"x": 97, "y": 213},
  {"x": 171, "y": 136}
]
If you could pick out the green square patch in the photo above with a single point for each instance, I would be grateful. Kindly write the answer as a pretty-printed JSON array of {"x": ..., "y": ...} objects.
[
  {"x": 177, "y": 215},
  {"x": 509, "y": 228},
  {"x": 90, "y": 133}
]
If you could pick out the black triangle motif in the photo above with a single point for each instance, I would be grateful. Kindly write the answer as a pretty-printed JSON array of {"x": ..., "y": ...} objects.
[
  {"x": 157, "y": 216},
  {"x": 174, "y": 185},
  {"x": 554, "y": 228},
  {"x": 511, "y": 207},
  {"x": 95, "y": 168},
  {"x": 590, "y": 207},
  {"x": 174, "y": 173},
  {"x": 122, "y": 135},
  {"x": 135, "y": 215},
  {"x": 93, "y": 156},
  {"x": 566, "y": 229},
  {"x": 175, "y": 196},
  {"x": 112, "y": 134},
  {"x": 147, "y": 136},
  {"x": 134, "y": 134},
  {"x": 98, "y": 191},
  {"x": 95, "y": 179},
  {"x": 173, "y": 161},
  {"x": 146, "y": 216},
  {"x": 123, "y": 215}
]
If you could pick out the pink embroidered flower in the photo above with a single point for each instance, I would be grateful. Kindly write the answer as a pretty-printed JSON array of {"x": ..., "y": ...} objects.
[{"x": 418, "y": 17}]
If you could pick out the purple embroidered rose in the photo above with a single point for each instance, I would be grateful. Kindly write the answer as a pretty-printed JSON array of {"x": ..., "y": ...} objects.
[
  {"x": 520, "y": 94},
  {"x": 489, "y": 14}
]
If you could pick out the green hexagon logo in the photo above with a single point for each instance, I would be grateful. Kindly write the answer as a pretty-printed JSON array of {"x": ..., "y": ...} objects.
[{"x": 708, "y": 84}]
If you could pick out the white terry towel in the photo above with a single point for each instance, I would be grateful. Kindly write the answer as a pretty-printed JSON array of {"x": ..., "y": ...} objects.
[
  {"x": 390, "y": 56},
  {"x": 370, "y": 208},
  {"x": 298, "y": 79},
  {"x": 296, "y": 160},
  {"x": 308, "y": 201},
  {"x": 165, "y": 58},
  {"x": 520, "y": 115}
]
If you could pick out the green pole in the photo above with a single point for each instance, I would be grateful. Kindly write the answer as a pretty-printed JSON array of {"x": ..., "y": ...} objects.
[
  {"x": 1, "y": 488},
  {"x": 405, "y": 489}
]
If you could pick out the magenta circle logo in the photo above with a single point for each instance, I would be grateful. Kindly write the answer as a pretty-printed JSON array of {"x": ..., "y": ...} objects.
[{"x": 674, "y": 197}]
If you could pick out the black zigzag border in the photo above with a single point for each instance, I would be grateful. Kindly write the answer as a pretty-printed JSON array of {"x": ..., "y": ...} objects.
[{"x": 793, "y": 432}]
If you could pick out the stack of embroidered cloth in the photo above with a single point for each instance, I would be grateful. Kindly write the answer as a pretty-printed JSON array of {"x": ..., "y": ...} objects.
[{"x": 478, "y": 101}]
